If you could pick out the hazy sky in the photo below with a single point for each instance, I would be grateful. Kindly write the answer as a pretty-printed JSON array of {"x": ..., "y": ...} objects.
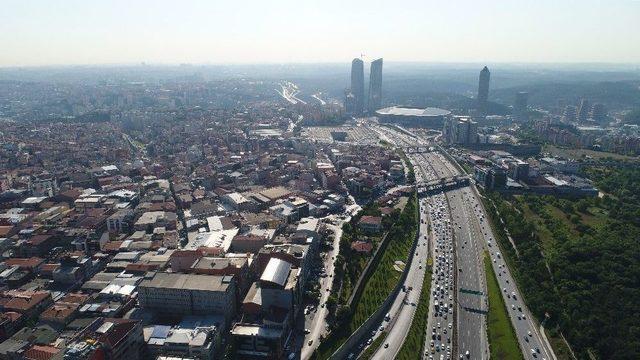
[{"x": 44, "y": 32}]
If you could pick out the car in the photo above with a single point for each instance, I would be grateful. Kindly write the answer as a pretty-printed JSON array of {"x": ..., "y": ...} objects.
[
  {"x": 310, "y": 342},
  {"x": 467, "y": 354},
  {"x": 307, "y": 331},
  {"x": 386, "y": 345},
  {"x": 529, "y": 333}
]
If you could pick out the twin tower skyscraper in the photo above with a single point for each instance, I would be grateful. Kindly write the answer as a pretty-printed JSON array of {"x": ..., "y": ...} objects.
[{"x": 354, "y": 97}]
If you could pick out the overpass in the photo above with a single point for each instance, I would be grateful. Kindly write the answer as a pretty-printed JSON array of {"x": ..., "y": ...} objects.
[
  {"x": 418, "y": 149},
  {"x": 441, "y": 185}
]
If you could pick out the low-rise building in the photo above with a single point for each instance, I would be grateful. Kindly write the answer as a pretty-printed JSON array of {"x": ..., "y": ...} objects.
[
  {"x": 195, "y": 337},
  {"x": 370, "y": 224}
]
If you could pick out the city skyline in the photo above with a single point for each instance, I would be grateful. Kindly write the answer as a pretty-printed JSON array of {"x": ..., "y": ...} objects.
[
  {"x": 239, "y": 180},
  {"x": 38, "y": 33}
]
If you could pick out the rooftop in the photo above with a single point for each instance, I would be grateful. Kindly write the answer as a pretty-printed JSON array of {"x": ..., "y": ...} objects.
[
  {"x": 276, "y": 272},
  {"x": 187, "y": 281},
  {"x": 403, "y": 111}
]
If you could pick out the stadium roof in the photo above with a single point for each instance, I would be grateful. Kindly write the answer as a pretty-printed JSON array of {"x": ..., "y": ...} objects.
[{"x": 403, "y": 111}]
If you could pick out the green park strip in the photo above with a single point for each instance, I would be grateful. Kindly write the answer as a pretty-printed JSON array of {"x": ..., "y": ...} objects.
[
  {"x": 413, "y": 344},
  {"x": 502, "y": 338},
  {"x": 379, "y": 284}
]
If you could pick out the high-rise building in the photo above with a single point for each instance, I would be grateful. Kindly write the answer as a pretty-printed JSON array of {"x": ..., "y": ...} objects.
[
  {"x": 483, "y": 89},
  {"x": 583, "y": 110},
  {"x": 375, "y": 86},
  {"x": 357, "y": 85},
  {"x": 460, "y": 130},
  {"x": 569, "y": 114},
  {"x": 599, "y": 113},
  {"x": 349, "y": 102},
  {"x": 520, "y": 106}
]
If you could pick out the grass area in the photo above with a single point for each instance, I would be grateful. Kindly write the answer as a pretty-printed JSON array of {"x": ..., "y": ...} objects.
[
  {"x": 466, "y": 167},
  {"x": 584, "y": 153},
  {"x": 352, "y": 262},
  {"x": 559, "y": 346},
  {"x": 368, "y": 353},
  {"x": 411, "y": 175},
  {"x": 413, "y": 344},
  {"x": 502, "y": 338},
  {"x": 379, "y": 284}
]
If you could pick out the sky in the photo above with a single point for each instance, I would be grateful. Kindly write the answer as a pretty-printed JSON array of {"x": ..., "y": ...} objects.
[{"x": 66, "y": 32}]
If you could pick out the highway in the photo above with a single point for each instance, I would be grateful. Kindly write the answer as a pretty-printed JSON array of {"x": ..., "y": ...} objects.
[
  {"x": 440, "y": 336},
  {"x": 470, "y": 281},
  {"x": 459, "y": 237},
  {"x": 471, "y": 215}
]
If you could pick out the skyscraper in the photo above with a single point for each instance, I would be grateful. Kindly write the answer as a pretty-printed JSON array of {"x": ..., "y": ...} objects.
[
  {"x": 583, "y": 110},
  {"x": 569, "y": 114},
  {"x": 483, "y": 89},
  {"x": 357, "y": 85},
  {"x": 375, "y": 86},
  {"x": 599, "y": 113},
  {"x": 520, "y": 106}
]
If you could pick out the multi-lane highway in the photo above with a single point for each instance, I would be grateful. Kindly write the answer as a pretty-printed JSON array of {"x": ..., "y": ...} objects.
[
  {"x": 459, "y": 237},
  {"x": 470, "y": 277},
  {"x": 468, "y": 213}
]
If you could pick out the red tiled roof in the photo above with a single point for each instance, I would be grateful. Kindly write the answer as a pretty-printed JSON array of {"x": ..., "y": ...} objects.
[
  {"x": 362, "y": 246},
  {"x": 373, "y": 220},
  {"x": 25, "y": 263},
  {"x": 24, "y": 300},
  {"x": 10, "y": 315},
  {"x": 5, "y": 230},
  {"x": 48, "y": 268},
  {"x": 41, "y": 352},
  {"x": 58, "y": 312},
  {"x": 186, "y": 253},
  {"x": 112, "y": 246},
  {"x": 74, "y": 298},
  {"x": 38, "y": 239},
  {"x": 117, "y": 333}
]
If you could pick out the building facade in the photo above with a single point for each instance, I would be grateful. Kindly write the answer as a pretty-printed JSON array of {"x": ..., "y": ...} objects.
[
  {"x": 483, "y": 89},
  {"x": 375, "y": 86},
  {"x": 357, "y": 85}
]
